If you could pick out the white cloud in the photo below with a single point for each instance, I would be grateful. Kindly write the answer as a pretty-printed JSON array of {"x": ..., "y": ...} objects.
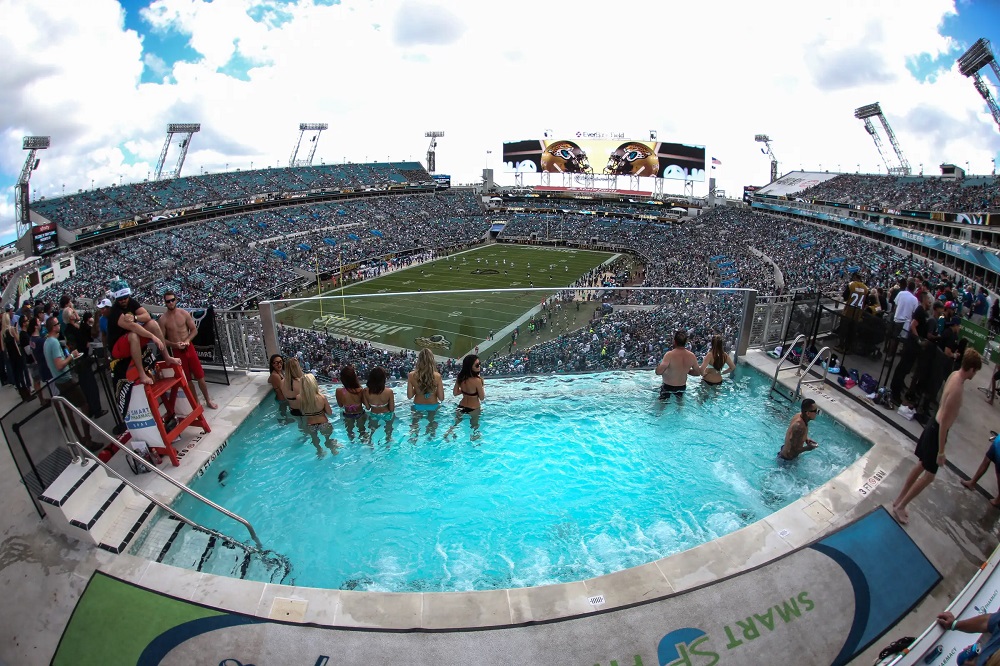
[{"x": 383, "y": 73}]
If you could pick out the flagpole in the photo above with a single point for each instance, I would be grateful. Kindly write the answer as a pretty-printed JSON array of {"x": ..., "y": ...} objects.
[{"x": 343, "y": 304}]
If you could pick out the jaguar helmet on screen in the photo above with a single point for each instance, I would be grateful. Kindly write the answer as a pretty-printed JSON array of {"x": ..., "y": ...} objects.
[
  {"x": 565, "y": 157},
  {"x": 633, "y": 159}
]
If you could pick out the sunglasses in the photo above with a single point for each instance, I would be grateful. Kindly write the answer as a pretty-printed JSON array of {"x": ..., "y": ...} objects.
[
  {"x": 168, "y": 301},
  {"x": 812, "y": 411}
]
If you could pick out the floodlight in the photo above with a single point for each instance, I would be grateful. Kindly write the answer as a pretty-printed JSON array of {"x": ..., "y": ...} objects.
[
  {"x": 311, "y": 127},
  {"x": 652, "y": 135},
  {"x": 867, "y": 111},
  {"x": 35, "y": 142},
  {"x": 761, "y": 138},
  {"x": 183, "y": 128},
  {"x": 434, "y": 134},
  {"x": 978, "y": 56}
]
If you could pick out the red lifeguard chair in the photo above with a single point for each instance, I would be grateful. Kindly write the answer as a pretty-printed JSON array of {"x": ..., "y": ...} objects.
[{"x": 163, "y": 391}]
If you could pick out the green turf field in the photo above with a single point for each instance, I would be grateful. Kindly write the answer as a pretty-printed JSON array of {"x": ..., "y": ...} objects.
[{"x": 450, "y": 324}]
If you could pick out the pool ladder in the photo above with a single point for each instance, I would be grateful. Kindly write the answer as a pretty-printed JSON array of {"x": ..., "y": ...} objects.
[
  {"x": 276, "y": 563},
  {"x": 801, "y": 372}
]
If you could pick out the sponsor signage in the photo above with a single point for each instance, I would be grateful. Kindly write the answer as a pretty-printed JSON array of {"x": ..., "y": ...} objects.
[{"x": 45, "y": 238}]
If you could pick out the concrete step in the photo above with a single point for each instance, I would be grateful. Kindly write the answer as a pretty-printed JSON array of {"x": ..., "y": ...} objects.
[{"x": 93, "y": 519}]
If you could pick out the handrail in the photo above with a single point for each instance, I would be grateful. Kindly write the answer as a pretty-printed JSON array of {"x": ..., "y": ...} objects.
[
  {"x": 800, "y": 336},
  {"x": 826, "y": 370},
  {"x": 75, "y": 448}
]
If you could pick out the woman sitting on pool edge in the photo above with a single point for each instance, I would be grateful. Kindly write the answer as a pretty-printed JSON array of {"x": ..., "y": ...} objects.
[
  {"x": 469, "y": 385},
  {"x": 712, "y": 367},
  {"x": 350, "y": 398},
  {"x": 316, "y": 411},
  {"x": 380, "y": 401}
]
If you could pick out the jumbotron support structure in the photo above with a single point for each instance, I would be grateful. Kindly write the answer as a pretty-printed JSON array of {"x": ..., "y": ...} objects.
[
  {"x": 293, "y": 161},
  {"x": 766, "y": 140},
  {"x": 23, "y": 187},
  {"x": 866, "y": 113},
  {"x": 431, "y": 160},
  {"x": 188, "y": 130},
  {"x": 978, "y": 56}
]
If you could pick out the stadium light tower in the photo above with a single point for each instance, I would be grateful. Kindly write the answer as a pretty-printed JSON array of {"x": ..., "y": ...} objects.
[
  {"x": 766, "y": 140},
  {"x": 23, "y": 187},
  {"x": 303, "y": 128},
  {"x": 866, "y": 113},
  {"x": 188, "y": 130},
  {"x": 431, "y": 161},
  {"x": 978, "y": 56}
]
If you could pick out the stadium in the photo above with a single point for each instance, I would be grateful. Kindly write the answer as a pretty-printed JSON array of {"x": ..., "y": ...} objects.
[{"x": 571, "y": 284}]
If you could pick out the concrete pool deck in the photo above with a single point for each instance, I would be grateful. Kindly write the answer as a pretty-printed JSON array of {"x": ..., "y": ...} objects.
[{"x": 44, "y": 573}]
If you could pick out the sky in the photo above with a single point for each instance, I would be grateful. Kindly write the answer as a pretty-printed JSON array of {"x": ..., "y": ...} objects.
[{"x": 103, "y": 78}]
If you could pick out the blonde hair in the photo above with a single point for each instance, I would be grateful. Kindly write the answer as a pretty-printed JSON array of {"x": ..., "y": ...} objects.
[
  {"x": 4, "y": 327},
  {"x": 309, "y": 400},
  {"x": 425, "y": 369},
  {"x": 292, "y": 371}
]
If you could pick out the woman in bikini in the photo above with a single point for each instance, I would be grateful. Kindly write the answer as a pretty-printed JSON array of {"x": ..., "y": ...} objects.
[
  {"x": 715, "y": 360},
  {"x": 277, "y": 378},
  {"x": 469, "y": 385},
  {"x": 425, "y": 388},
  {"x": 292, "y": 385},
  {"x": 315, "y": 412},
  {"x": 350, "y": 399},
  {"x": 380, "y": 401}
]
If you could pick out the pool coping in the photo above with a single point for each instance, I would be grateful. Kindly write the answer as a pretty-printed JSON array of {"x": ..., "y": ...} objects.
[{"x": 801, "y": 522}]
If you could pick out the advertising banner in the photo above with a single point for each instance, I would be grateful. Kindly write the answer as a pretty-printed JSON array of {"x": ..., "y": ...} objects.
[
  {"x": 204, "y": 342},
  {"x": 582, "y": 154},
  {"x": 976, "y": 335},
  {"x": 44, "y": 237}
]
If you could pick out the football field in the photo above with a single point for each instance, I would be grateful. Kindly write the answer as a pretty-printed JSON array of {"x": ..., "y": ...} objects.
[{"x": 449, "y": 324}]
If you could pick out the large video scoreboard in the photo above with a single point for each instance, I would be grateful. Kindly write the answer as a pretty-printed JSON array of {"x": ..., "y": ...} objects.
[{"x": 605, "y": 155}]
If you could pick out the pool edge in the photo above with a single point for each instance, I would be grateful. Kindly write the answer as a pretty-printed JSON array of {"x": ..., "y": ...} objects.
[{"x": 801, "y": 522}]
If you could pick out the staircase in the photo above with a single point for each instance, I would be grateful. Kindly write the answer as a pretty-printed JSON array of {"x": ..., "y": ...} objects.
[
  {"x": 88, "y": 505},
  {"x": 174, "y": 542}
]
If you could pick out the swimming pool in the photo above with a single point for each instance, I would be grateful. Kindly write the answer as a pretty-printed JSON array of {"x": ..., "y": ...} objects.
[{"x": 569, "y": 477}]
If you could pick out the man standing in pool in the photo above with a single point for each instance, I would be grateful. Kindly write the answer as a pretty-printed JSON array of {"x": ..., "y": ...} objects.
[
  {"x": 797, "y": 436},
  {"x": 676, "y": 365},
  {"x": 930, "y": 447}
]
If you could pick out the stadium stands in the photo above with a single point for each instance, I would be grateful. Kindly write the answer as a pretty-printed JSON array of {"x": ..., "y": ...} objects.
[
  {"x": 978, "y": 194},
  {"x": 115, "y": 204}
]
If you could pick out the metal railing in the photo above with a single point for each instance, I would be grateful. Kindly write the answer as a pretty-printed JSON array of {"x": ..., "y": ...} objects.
[
  {"x": 824, "y": 352},
  {"x": 61, "y": 403}
]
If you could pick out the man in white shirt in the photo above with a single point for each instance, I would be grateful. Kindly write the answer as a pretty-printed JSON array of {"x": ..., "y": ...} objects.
[{"x": 905, "y": 303}]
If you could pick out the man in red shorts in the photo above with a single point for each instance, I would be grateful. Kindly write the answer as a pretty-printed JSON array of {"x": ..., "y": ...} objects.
[
  {"x": 179, "y": 327},
  {"x": 130, "y": 326}
]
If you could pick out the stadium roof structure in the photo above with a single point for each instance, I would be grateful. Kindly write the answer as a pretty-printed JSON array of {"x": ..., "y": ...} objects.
[{"x": 970, "y": 63}]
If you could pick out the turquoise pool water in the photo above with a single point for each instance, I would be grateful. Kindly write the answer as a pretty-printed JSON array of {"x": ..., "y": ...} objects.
[{"x": 569, "y": 477}]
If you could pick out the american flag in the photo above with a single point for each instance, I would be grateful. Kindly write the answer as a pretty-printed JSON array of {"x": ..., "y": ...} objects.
[{"x": 716, "y": 162}]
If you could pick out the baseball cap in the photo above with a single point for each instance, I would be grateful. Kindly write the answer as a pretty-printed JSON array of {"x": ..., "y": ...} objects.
[
  {"x": 9, "y": 307},
  {"x": 120, "y": 289},
  {"x": 950, "y": 304},
  {"x": 104, "y": 304}
]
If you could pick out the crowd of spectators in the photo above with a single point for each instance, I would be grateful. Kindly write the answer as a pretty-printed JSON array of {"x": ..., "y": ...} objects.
[
  {"x": 969, "y": 195},
  {"x": 228, "y": 262},
  {"x": 127, "y": 202}
]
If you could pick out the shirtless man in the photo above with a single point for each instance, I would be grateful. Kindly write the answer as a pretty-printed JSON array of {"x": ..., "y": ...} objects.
[
  {"x": 930, "y": 448},
  {"x": 130, "y": 326},
  {"x": 676, "y": 365},
  {"x": 179, "y": 328},
  {"x": 797, "y": 436}
]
